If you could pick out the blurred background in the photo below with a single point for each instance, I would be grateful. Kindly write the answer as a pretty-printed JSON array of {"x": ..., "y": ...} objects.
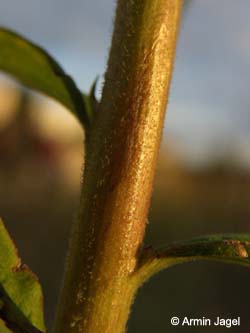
[{"x": 203, "y": 178}]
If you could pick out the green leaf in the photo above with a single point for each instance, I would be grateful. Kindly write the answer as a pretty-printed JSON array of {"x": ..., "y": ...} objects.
[
  {"x": 21, "y": 299},
  {"x": 94, "y": 103},
  {"x": 233, "y": 249},
  {"x": 4, "y": 328},
  {"x": 91, "y": 101},
  {"x": 36, "y": 69}
]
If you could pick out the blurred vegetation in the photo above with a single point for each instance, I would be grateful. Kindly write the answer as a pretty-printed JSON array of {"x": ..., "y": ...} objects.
[{"x": 41, "y": 157}]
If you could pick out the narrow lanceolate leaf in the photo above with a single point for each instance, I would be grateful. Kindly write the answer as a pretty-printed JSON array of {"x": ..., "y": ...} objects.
[
  {"x": 36, "y": 69},
  {"x": 21, "y": 299},
  {"x": 91, "y": 102},
  {"x": 94, "y": 103},
  {"x": 233, "y": 249}
]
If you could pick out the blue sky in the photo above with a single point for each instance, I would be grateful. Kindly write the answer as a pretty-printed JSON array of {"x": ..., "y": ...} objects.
[{"x": 209, "y": 109}]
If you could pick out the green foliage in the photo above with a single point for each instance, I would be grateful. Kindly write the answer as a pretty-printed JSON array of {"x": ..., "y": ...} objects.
[
  {"x": 36, "y": 69},
  {"x": 4, "y": 328},
  {"x": 91, "y": 102},
  {"x": 21, "y": 299},
  {"x": 233, "y": 249}
]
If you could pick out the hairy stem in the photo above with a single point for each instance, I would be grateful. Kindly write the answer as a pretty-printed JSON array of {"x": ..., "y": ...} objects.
[{"x": 120, "y": 163}]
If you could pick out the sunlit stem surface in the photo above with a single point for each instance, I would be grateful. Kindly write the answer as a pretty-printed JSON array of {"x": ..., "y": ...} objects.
[{"x": 120, "y": 163}]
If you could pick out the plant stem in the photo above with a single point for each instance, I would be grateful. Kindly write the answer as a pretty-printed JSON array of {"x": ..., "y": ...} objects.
[{"x": 120, "y": 163}]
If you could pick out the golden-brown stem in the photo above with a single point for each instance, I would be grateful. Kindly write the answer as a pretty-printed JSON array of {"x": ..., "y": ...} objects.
[{"x": 120, "y": 165}]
